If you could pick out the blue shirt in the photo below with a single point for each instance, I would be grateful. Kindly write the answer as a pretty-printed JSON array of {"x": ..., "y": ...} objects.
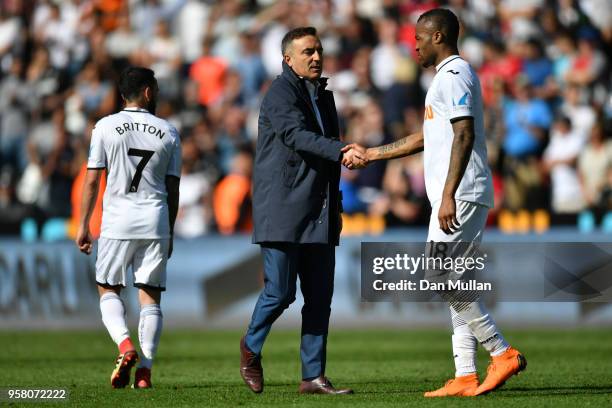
[
  {"x": 519, "y": 117},
  {"x": 537, "y": 71}
]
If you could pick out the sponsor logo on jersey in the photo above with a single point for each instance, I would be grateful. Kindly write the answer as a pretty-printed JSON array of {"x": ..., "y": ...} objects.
[
  {"x": 462, "y": 101},
  {"x": 453, "y": 72}
]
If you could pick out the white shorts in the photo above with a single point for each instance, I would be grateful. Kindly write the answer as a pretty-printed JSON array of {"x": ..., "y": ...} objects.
[
  {"x": 472, "y": 219},
  {"x": 462, "y": 243},
  {"x": 147, "y": 257}
]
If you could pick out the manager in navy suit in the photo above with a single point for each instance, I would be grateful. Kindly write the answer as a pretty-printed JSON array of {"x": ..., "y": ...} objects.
[{"x": 296, "y": 208}]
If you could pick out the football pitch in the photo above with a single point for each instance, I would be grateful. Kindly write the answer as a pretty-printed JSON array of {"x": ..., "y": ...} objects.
[{"x": 386, "y": 368}]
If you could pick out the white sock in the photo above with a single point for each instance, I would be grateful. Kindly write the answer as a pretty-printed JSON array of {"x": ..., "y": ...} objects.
[
  {"x": 482, "y": 327},
  {"x": 464, "y": 346},
  {"x": 113, "y": 316},
  {"x": 149, "y": 332}
]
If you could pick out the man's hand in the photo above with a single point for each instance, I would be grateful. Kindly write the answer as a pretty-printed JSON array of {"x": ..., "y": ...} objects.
[
  {"x": 84, "y": 240},
  {"x": 447, "y": 216},
  {"x": 355, "y": 156}
]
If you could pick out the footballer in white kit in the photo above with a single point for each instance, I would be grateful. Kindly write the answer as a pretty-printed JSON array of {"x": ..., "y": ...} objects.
[
  {"x": 139, "y": 150},
  {"x": 454, "y": 94},
  {"x": 459, "y": 188},
  {"x": 142, "y": 157}
]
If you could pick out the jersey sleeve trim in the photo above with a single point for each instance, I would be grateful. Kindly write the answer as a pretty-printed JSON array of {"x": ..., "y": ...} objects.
[{"x": 95, "y": 168}]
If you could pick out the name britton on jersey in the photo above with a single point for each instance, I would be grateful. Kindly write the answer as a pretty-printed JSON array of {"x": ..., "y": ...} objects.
[{"x": 140, "y": 127}]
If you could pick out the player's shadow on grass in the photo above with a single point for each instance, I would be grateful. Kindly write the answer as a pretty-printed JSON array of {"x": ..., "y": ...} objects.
[
  {"x": 503, "y": 392},
  {"x": 583, "y": 389},
  {"x": 236, "y": 384}
]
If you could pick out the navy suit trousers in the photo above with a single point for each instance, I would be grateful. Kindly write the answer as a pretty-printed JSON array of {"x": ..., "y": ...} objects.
[{"x": 283, "y": 263}]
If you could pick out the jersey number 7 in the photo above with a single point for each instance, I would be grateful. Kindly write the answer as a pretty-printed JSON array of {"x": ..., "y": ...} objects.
[{"x": 146, "y": 156}]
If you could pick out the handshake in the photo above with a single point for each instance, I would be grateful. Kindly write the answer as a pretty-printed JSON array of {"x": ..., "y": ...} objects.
[{"x": 355, "y": 156}]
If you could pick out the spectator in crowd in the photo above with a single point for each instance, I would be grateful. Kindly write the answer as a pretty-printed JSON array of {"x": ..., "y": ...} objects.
[
  {"x": 227, "y": 22},
  {"x": 582, "y": 115},
  {"x": 367, "y": 129},
  {"x": 12, "y": 210},
  {"x": 499, "y": 69},
  {"x": 191, "y": 24},
  {"x": 195, "y": 213},
  {"x": 94, "y": 94},
  {"x": 209, "y": 73},
  {"x": 123, "y": 43},
  {"x": 563, "y": 53},
  {"x": 42, "y": 84},
  {"x": 527, "y": 121},
  {"x": 147, "y": 14},
  {"x": 50, "y": 154},
  {"x": 163, "y": 55},
  {"x": 604, "y": 204},
  {"x": 10, "y": 28},
  {"x": 400, "y": 204},
  {"x": 589, "y": 64},
  {"x": 386, "y": 55},
  {"x": 593, "y": 164},
  {"x": 230, "y": 137},
  {"x": 13, "y": 118},
  {"x": 598, "y": 13},
  {"x": 559, "y": 162},
  {"x": 250, "y": 67},
  {"x": 537, "y": 68},
  {"x": 58, "y": 36},
  {"x": 232, "y": 196}
]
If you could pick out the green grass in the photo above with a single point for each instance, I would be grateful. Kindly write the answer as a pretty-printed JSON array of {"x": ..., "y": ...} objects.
[{"x": 386, "y": 368}]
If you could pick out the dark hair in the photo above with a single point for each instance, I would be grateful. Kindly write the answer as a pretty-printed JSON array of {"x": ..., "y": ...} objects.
[
  {"x": 295, "y": 34},
  {"x": 535, "y": 43},
  {"x": 134, "y": 79},
  {"x": 561, "y": 118},
  {"x": 443, "y": 20}
]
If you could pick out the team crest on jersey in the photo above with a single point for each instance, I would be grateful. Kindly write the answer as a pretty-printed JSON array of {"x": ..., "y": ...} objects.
[{"x": 429, "y": 112}]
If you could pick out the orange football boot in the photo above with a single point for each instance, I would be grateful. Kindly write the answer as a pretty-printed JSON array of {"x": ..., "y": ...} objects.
[
  {"x": 143, "y": 378},
  {"x": 121, "y": 374},
  {"x": 463, "y": 386},
  {"x": 501, "y": 368}
]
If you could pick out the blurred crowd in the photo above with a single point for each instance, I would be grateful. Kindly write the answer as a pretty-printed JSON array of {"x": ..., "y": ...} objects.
[{"x": 544, "y": 68}]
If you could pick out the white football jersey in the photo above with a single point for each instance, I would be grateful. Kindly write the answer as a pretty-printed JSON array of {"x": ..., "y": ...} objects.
[
  {"x": 138, "y": 151},
  {"x": 455, "y": 93}
]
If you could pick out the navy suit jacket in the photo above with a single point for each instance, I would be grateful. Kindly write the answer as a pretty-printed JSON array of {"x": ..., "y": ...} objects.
[{"x": 296, "y": 175}]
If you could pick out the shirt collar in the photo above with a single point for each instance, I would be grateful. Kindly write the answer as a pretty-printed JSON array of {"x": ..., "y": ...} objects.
[
  {"x": 135, "y": 109},
  {"x": 445, "y": 61},
  {"x": 313, "y": 88}
]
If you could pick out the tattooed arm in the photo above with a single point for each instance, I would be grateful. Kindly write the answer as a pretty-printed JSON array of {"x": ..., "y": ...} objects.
[{"x": 403, "y": 147}]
